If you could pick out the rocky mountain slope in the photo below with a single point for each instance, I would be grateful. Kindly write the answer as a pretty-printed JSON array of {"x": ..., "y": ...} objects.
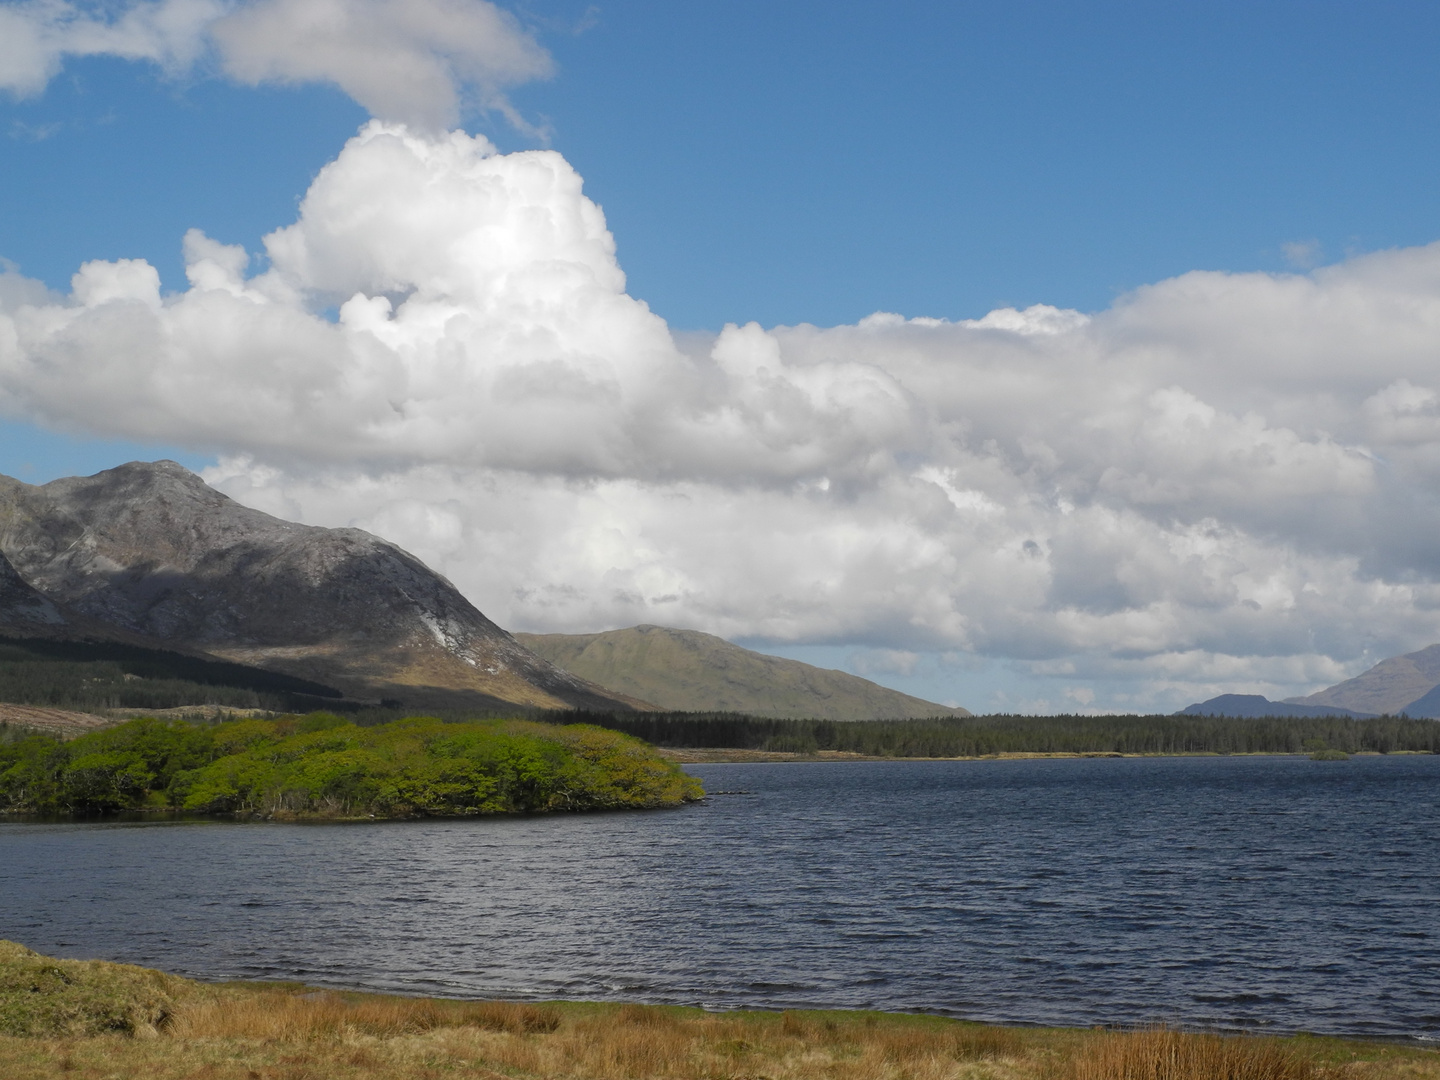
[
  {"x": 686, "y": 670},
  {"x": 26, "y": 611},
  {"x": 1392, "y": 686},
  {"x": 148, "y": 553}
]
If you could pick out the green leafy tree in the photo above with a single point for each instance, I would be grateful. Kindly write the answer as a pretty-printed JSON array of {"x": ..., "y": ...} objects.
[{"x": 323, "y": 765}]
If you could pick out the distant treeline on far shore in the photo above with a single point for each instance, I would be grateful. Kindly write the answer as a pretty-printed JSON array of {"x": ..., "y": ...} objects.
[
  {"x": 978, "y": 736},
  {"x": 971, "y": 736}
]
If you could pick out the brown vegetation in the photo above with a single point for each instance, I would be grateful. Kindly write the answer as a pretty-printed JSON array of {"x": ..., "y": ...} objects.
[
  {"x": 281, "y": 1015},
  {"x": 269, "y": 1032},
  {"x": 62, "y": 722},
  {"x": 1160, "y": 1054}
]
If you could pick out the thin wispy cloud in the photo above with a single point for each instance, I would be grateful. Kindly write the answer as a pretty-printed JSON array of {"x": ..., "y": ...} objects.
[
  {"x": 1303, "y": 254},
  {"x": 36, "y": 37}
]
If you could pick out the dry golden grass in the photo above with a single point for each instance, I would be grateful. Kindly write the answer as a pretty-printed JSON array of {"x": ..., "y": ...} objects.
[
  {"x": 397, "y": 1036},
  {"x": 266, "y": 1032},
  {"x": 280, "y": 1015},
  {"x": 1160, "y": 1054}
]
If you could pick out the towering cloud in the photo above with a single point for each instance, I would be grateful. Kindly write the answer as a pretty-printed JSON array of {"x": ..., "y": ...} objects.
[{"x": 1224, "y": 479}]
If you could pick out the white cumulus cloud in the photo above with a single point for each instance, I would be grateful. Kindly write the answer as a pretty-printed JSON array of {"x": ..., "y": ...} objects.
[
  {"x": 37, "y": 35},
  {"x": 420, "y": 62},
  {"x": 401, "y": 59},
  {"x": 1225, "y": 481}
]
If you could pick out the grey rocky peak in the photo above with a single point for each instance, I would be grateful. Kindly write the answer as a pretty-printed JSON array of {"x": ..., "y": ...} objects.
[{"x": 153, "y": 551}]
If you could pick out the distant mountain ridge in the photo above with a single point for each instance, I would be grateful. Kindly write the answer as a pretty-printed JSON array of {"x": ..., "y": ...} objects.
[
  {"x": 1254, "y": 706},
  {"x": 1392, "y": 686},
  {"x": 148, "y": 553},
  {"x": 1408, "y": 684},
  {"x": 689, "y": 671},
  {"x": 1426, "y": 707}
]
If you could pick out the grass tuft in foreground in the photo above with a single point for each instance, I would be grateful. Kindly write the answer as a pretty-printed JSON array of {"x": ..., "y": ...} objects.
[
  {"x": 98, "y": 1021},
  {"x": 42, "y": 996}
]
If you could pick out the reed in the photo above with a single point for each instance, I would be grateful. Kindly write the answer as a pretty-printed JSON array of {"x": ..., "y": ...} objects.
[
  {"x": 96, "y": 1021},
  {"x": 286, "y": 1016},
  {"x": 1161, "y": 1054}
]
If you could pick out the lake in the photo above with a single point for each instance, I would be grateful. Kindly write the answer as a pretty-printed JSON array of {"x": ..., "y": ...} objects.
[{"x": 1270, "y": 893}]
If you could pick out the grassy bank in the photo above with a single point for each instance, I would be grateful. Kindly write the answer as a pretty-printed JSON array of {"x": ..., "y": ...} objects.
[
  {"x": 322, "y": 766},
  {"x": 88, "y": 1020}
]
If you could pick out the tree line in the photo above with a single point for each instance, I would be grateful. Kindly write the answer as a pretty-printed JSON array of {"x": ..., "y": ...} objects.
[
  {"x": 979, "y": 736},
  {"x": 91, "y": 676}
]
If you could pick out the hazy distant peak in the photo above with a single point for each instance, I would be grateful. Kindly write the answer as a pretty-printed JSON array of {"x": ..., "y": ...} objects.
[
  {"x": 1254, "y": 706},
  {"x": 1391, "y": 686}
]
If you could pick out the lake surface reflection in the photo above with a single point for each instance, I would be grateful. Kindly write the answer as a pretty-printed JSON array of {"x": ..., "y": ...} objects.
[{"x": 1271, "y": 893}]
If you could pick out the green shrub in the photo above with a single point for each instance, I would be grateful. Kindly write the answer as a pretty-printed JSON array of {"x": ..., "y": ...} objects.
[{"x": 323, "y": 765}]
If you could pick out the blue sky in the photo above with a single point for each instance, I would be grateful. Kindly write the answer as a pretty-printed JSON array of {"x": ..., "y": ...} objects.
[
  {"x": 817, "y": 162},
  {"x": 808, "y": 162}
]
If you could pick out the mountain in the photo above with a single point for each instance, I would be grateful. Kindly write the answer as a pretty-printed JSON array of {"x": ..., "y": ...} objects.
[
  {"x": 1254, "y": 705},
  {"x": 685, "y": 670},
  {"x": 148, "y": 553},
  {"x": 1392, "y": 686},
  {"x": 24, "y": 609},
  {"x": 1425, "y": 707},
  {"x": 27, "y": 612}
]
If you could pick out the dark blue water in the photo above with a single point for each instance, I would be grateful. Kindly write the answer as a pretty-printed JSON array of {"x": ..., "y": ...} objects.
[{"x": 1273, "y": 893}]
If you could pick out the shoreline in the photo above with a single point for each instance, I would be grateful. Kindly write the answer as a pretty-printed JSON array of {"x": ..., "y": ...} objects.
[
  {"x": 727, "y": 756},
  {"x": 95, "y": 1020}
]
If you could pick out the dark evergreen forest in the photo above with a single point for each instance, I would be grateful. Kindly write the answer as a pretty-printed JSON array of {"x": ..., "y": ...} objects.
[
  {"x": 981, "y": 735},
  {"x": 94, "y": 675}
]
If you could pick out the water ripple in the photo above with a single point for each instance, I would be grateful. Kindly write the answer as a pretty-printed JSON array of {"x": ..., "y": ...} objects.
[{"x": 1259, "y": 893}]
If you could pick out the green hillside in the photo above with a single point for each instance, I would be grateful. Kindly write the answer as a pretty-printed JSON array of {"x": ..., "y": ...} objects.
[{"x": 687, "y": 671}]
